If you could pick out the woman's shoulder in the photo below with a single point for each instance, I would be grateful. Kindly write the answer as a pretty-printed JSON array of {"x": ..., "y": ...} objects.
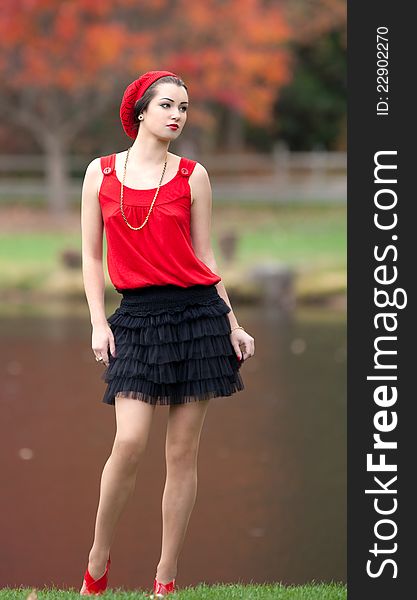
[
  {"x": 95, "y": 166},
  {"x": 195, "y": 167},
  {"x": 199, "y": 172},
  {"x": 95, "y": 171}
]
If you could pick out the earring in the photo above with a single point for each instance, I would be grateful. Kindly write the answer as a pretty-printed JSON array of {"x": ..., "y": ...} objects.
[{"x": 140, "y": 117}]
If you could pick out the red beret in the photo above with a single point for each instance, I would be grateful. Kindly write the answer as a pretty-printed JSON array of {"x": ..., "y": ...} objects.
[{"x": 132, "y": 93}]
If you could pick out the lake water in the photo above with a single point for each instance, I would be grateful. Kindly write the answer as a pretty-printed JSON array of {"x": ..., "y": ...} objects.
[{"x": 271, "y": 501}]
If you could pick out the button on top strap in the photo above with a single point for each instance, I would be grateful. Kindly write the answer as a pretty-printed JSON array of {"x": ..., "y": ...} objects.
[
  {"x": 186, "y": 167},
  {"x": 107, "y": 163}
]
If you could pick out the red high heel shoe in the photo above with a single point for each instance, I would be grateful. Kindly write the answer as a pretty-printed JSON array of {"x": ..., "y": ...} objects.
[
  {"x": 95, "y": 587},
  {"x": 162, "y": 589}
]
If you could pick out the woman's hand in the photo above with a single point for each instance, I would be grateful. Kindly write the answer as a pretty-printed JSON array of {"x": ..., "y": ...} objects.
[
  {"x": 243, "y": 344},
  {"x": 102, "y": 339}
]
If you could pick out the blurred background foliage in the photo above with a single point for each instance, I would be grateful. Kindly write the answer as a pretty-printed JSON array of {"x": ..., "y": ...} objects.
[{"x": 257, "y": 70}]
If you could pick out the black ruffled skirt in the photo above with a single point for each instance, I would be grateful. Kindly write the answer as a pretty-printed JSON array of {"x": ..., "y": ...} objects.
[{"x": 172, "y": 346}]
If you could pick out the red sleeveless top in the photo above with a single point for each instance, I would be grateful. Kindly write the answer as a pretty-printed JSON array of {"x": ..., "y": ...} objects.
[{"x": 161, "y": 252}]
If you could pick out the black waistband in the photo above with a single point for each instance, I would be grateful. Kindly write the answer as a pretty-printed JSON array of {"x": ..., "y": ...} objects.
[{"x": 167, "y": 294}]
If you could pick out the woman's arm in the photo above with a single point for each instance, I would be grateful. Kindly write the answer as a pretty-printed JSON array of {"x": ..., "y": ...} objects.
[
  {"x": 92, "y": 260},
  {"x": 201, "y": 209},
  {"x": 92, "y": 244},
  {"x": 201, "y": 228}
]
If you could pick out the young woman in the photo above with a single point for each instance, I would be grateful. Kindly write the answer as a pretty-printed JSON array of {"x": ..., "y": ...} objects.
[{"x": 174, "y": 340}]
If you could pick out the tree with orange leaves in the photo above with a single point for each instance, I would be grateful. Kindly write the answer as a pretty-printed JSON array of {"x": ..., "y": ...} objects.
[{"x": 63, "y": 63}]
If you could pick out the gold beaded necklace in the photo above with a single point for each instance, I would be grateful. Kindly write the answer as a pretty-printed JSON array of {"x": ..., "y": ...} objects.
[{"x": 153, "y": 201}]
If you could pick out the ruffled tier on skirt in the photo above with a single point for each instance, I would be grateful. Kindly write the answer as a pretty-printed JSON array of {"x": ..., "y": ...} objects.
[{"x": 172, "y": 346}]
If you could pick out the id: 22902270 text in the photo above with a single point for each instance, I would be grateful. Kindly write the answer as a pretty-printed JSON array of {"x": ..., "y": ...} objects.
[{"x": 382, "y": 105}]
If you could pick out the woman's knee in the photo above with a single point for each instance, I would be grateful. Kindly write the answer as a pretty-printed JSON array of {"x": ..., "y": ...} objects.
[
  {"x": 183, "y": 456},
  {"x": 183, "y": 433},
  {"x": 133, "y": 423},
  {"x": 128, "y": 451}
]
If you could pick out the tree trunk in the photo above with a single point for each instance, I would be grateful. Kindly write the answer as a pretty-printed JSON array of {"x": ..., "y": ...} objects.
[
  {"x": 235, "y": 134},
  {"x": 57, "y": 180}
]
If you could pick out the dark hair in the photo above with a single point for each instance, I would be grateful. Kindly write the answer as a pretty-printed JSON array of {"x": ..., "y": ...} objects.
[{"x": 143, "y": 103}]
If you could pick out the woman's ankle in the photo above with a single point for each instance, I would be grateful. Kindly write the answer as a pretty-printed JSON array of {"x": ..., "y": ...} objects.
[
  {"x": 166, "y": 573},
  {"x": 97, "y": 562}
]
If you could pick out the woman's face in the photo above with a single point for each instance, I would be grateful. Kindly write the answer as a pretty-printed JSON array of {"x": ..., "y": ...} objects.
[{"x": 167, "y": 108}]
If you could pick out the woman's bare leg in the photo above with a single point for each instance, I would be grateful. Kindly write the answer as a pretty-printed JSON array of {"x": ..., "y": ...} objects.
[
  {"x": 133, "y": 419},
  {"x": 184, "y": 427}
]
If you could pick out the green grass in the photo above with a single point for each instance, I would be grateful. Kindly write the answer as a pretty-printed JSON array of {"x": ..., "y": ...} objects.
[
  {"x": 31, "y": 248},
  {"x": 323, "y": 591},
  {"x": 297, "y": 235},
  {"x": 311, "y": 239}
]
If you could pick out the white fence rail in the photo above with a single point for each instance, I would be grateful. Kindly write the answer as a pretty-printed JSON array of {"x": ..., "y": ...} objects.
[{"x": 277, "y": 177}]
